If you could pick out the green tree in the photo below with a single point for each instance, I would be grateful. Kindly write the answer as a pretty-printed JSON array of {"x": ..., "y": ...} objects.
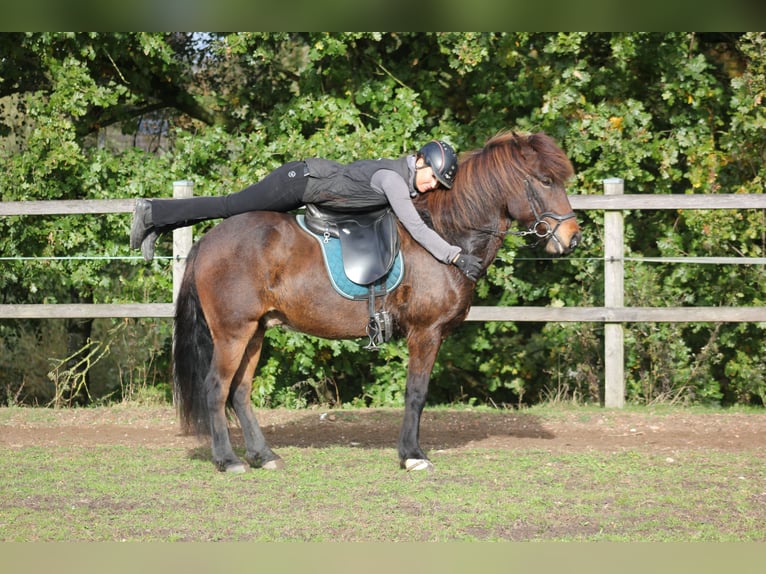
[{"x": 667, "y": 112}]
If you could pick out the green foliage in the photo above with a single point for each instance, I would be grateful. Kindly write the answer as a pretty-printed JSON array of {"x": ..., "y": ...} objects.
[{"x": 667, "y": 112}]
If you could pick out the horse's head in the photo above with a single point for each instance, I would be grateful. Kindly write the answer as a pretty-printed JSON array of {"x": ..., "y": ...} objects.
[
  {"x": 539, "y": 199},
  {"x": 548, "y": 215},
  {"x": 514, "y": 176}
]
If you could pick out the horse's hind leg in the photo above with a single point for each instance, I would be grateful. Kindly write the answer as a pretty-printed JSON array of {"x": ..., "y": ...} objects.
[
  {"x": 223, "y": 367},
  {"x": 259, "y": 454},
  {"x": 223, "y": 454}
]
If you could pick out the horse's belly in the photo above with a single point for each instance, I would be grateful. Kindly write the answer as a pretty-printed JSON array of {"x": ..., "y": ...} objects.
[{"x": 343, "y": 320}]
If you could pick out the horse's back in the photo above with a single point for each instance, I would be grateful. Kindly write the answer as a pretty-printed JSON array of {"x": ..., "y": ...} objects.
[{"x": 251, "y": 233}]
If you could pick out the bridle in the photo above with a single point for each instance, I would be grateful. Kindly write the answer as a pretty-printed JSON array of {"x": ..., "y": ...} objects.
[{"x": 540, "y": 228}]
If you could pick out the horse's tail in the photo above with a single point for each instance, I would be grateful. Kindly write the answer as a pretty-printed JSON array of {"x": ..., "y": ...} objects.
[{"x": 192, "y": 354}]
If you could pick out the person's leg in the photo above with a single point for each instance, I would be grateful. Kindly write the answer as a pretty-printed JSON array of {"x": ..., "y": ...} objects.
[
  {"x": 169, "y": 214},
  {"x": 281, "y": 190}
]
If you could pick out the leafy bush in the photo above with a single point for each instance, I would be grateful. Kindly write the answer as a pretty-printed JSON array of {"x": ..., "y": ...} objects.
[{"x": 667, "y": 112}]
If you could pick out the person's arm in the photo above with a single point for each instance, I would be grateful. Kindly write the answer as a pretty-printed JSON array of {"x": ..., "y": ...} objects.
[{"x": 397, "y": 193}]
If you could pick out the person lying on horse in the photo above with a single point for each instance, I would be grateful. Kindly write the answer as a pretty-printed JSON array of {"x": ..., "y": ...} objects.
[{"x": 361, "y": 185}]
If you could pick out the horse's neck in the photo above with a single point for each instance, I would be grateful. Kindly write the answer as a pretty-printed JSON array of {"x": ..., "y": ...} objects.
[
  {"x": 489, "y": 243},
  {"x": 484, "y": 241},
  {"x": 483, "y": 238}
]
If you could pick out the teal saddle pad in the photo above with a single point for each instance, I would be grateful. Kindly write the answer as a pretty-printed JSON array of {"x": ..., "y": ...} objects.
[{"x": 333, "y": 258}]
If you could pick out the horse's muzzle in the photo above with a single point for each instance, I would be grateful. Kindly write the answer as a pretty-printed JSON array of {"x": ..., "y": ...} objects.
[{"x": 562, "y": 243}]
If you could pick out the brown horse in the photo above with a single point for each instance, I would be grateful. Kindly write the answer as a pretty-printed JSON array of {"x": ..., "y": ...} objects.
[{"x": 260, "y": 269}]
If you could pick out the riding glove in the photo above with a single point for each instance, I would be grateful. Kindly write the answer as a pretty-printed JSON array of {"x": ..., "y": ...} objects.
[{"x": 469, "y": 264}]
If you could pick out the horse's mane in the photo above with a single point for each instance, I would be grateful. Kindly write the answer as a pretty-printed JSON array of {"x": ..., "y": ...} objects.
[{"x": 491, "y": 176}]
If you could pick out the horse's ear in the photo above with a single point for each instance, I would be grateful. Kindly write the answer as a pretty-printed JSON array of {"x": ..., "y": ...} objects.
[
  {"x": 503, "y": 137},
  {"x": 552, "y": 156},
  {"x": 526, "y": 145}
]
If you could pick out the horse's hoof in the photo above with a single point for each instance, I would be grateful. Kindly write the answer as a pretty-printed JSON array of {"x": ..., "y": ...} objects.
[
  {"x": 231, "y": 466},
  {"x": 276, "y": 464},
  {"x": 416, "y": 464},
  {"x": 235, "y": 468}
]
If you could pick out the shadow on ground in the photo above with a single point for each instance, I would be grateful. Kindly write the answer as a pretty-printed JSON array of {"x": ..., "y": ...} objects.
[
  {"x": 380, "y": 429},
  {"x": 375, "y": 429}
]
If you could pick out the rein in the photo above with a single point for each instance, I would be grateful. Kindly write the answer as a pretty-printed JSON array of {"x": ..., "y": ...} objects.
[{"x": 540, "y": 228}]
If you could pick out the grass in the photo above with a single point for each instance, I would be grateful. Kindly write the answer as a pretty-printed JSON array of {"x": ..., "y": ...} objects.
[{"x": 352, "y": 494}]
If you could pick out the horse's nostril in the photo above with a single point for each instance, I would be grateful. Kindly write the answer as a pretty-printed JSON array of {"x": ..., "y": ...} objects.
[{"x": 575, "y": 241}]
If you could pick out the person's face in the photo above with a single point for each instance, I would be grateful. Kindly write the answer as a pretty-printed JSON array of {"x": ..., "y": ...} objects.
[{"x": 425, "y": 179}]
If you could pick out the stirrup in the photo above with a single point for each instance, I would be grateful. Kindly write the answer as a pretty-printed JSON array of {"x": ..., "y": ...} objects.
[{"x": 378, "y": 330}]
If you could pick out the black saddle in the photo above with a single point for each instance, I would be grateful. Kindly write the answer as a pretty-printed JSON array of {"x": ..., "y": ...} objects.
[{"x": 369, "y": 240}]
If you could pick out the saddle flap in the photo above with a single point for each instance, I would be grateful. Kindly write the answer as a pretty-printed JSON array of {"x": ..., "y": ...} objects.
[{"x": 369, "y": 241}]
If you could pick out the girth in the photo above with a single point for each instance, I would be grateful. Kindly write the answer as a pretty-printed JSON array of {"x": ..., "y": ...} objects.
[{"x": 369, "y": 246}]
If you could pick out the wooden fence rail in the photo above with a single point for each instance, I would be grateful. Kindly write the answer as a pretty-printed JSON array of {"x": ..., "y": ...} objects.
[{"x": 613, "y": 314}]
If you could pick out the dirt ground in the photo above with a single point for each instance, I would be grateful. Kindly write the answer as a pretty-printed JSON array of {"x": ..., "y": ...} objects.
[{"x": 559, "y": 431}]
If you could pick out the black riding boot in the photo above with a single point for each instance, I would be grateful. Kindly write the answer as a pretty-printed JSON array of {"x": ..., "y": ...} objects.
[
  {"x": 155, "y": 216},
  {"x": 142, "y": 231}
]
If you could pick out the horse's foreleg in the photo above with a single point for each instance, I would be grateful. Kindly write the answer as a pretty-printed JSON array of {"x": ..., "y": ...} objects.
[
  {"x": 259, "y": 454},
  {"x": 423, "y": 349}
]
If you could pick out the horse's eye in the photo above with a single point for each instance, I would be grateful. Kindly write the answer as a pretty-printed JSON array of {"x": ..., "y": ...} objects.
[{"x": 546, "y": 181}]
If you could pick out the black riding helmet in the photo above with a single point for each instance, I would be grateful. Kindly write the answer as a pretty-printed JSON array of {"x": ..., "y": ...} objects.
[{"x": 441, "y": 157}]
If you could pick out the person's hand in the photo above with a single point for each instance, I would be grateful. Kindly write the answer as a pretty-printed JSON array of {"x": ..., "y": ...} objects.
[{"x": 469, "y": 264}]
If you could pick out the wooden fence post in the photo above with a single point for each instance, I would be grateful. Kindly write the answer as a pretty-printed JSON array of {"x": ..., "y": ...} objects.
[
  {"x": 182, "y": 238},
  {"x": 614, "y": 281}
]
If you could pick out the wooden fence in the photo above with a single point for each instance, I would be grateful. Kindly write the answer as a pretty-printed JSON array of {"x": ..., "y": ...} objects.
[{"x": 613, "y": 314}]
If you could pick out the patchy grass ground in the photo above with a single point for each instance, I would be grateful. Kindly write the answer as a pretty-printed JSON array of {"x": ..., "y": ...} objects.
[{"x": 127, "y": 473}]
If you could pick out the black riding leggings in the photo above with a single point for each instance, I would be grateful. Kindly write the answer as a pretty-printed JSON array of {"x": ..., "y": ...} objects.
[{"x": 281, "y": 190}]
